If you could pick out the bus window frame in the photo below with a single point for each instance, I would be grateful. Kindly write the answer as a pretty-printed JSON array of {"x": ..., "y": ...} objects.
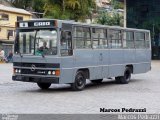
[
  {"x": 147, "y": 40},
  {"x": 126, "y": 30},
  {"x": 144, "y": 47},
  {"x": 109, "y": 38},
  {"x": 74, "y": 38},
  {"x": 104, "y": 39},
  {"x": 63, "y": 30}
]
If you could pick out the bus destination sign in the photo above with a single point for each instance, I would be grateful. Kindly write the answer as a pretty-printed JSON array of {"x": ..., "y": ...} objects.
[{"x": 36, "y": 24}]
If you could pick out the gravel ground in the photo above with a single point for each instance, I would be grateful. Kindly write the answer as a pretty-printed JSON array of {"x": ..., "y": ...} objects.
[{"x": 19, "y": 97}]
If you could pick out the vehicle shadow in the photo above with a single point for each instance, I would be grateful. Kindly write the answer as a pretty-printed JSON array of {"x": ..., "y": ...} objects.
[{"x": 56, "y": 88}]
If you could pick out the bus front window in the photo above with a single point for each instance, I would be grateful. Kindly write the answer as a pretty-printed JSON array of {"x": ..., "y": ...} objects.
[{"x": 36, "y": 42}]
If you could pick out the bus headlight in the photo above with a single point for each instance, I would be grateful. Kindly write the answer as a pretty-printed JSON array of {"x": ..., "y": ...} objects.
[
  {"x": 53, "y": 72},
  {"x": 19, "y": 71},
  {"x": 49, "y": 72}
]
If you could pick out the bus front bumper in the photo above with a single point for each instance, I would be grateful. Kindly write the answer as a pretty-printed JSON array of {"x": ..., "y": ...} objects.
[{"x": 35, "y": 79}]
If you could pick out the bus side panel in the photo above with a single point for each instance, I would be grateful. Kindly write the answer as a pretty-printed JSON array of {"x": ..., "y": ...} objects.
[
  {"x": 148, "y": 54},
  {"x": 116, "y": 65},
  {"x": 83, "y": 59},
  {"x": 67, "y": 70},
  {"x": 142, "y": 61},
  {"x": 129, "y": 56},
  {"x": 105, "y": 62},
  {"x": 97, "y": 59},
  {"x": 140, "y": 68}
]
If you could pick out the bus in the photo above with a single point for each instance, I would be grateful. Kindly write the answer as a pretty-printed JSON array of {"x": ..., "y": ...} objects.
[{"x": 50, "y": 51}]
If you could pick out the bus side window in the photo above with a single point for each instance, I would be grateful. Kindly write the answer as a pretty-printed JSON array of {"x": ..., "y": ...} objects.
[
  {"x": 128, "y": 39},
  {"x": 147, "y": 40},
  {"x": 66, "y": 43},
  {"x": 99, "y": 41},
  {"x": 139, "y": 40},
  {"x": 82, "y": 37},
  {"x": 115, "y": 40}
]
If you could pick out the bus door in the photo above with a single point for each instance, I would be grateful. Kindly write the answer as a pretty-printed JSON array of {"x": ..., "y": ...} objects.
[
  {"x": 66, "y": 52},
  {"x": 116, "y": 52},
  {"x": 99, "y": 48}
]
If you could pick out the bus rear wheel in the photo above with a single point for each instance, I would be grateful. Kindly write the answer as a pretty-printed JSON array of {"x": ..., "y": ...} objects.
[
  {"x": 80, "y": 81},
  {"x": 97, "y": 81},
  {"x": 126, "y": 78},
  {"x": 44, "y": 86}
]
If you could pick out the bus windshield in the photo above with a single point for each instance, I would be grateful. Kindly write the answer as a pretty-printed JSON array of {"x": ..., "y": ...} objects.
[{"x": 36, "y": 42}]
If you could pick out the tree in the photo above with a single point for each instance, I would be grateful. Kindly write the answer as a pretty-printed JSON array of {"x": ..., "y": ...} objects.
[
  {"x": 36, "y": 5},
  {"x": 59, "y": 9},
  {"x": 116, "y": 4},
  {"x": 68, "y": 9},
  {"x": 21, "y": 3},
  {"x": 106, "y": 18}
]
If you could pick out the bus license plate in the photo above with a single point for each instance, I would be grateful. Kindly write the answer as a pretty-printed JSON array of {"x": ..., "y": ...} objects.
[{"x": 19, "y": 77}]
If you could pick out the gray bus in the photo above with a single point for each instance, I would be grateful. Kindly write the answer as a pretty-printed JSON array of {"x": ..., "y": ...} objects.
[{"x": 50, "y": 51}]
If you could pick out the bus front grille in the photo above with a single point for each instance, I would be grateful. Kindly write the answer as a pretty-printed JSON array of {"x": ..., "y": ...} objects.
[{"x": 37, "y": 65}]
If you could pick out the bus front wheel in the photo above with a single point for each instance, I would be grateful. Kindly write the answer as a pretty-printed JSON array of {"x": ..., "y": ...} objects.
[
  {"x": 80, "y": 81},
  {"x": 126, "y": 78},
  {"x": 44, "y": 86}
]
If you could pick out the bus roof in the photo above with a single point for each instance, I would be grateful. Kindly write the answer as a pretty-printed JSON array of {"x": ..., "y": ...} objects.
[{"x": 85, "y": 24}]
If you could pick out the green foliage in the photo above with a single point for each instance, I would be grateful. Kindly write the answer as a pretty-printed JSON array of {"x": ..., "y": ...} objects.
[
  {"x": 21, "y": 3},
  {"x": 59, "y": 9},
  {"x": 106, "y": 18},
  {"x": 116, "y": 4}
]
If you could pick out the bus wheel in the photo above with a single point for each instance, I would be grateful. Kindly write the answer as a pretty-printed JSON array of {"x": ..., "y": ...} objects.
[
  {"x": 97, "y": 81},
  {"x": 126, "y": 78},
  {"x": 80, "y": 81},
  {"x": 44, "y": 85}
]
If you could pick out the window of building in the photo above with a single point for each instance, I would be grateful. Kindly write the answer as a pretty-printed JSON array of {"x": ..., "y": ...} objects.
[
  {"x": 115, "y": 39},
  {"x": 19, "y": 18},
  {"x": 128, "y": 39},
  {"x": 10, "y": 33},
  {"x": 5, "y": 16}
]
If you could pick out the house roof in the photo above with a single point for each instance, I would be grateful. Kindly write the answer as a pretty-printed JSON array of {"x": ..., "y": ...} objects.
[
  {"x": 13, "y": 9},
  {"x": 102, "y": 3}
]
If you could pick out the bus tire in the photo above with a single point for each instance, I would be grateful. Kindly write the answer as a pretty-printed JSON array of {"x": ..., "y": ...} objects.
[
  {"x": 80, "y": 81},
  {"x": 126, "y": 78},
  {"x": 97, "y": 81},
  {"x": 44, "y": 86}
]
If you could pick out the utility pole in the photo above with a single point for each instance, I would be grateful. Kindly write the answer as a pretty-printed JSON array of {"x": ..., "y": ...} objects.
[{"x": 125, "y": 14}]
